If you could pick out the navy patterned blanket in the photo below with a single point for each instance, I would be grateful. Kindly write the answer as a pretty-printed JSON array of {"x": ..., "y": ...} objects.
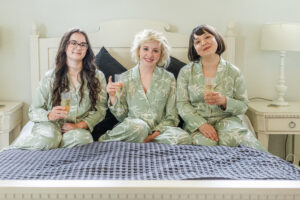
[{"x": 144, "y": 161}]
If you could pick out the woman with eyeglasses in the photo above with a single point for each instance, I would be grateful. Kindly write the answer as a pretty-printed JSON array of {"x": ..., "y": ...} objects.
[{"x": 58, "y": 125}]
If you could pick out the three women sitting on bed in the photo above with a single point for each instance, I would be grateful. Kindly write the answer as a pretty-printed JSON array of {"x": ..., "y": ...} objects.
[
  {"x": 146, "y": 105},
  {"x": 75, "y": 73},
  {"x": 211, "y": 93}
]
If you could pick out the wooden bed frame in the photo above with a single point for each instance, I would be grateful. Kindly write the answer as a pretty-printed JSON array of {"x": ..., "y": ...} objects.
[{"x": 117, "y": 37}]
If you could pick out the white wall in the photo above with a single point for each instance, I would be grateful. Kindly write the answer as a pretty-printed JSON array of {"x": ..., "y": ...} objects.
[{"x": 54, "y": 17}]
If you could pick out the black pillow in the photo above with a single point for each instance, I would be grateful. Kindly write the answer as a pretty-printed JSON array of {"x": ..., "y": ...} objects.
[
  {"x": 106, "y": 124},
  {"x": 175, "y": 66},
  {"x": 107, "y": 64}
]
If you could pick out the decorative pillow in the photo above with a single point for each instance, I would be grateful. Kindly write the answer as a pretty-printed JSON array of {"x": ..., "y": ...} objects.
[
  {"x": 107, "y": 64},
  {"x": 175, "y": 66},
  {"x": 106, "y": 124}
]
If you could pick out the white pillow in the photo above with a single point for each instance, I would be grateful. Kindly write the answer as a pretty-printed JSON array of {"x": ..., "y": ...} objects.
[{"x": 27, "y": 128}]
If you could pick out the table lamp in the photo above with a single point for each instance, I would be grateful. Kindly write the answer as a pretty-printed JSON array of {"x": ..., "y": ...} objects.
[{"x": 281, "y": 37}]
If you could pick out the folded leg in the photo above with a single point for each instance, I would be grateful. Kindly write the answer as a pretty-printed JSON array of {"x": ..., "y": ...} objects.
[
  {"x": 130, "y": 130},
  {"x": 232, "y": 132},
  {"x": 199, "y": 139},
  {"x": 43, "y": 136},
  {"x": 173, "y": 135},
  {"x": 76, "y": 137}
]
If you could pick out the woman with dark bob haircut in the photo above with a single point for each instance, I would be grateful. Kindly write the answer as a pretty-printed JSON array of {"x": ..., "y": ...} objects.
[
  {"x": 211, "y": 93},
  {"x": 75, "y": 80}
]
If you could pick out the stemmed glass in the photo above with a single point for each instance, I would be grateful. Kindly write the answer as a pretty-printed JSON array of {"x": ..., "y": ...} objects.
[
  {"x": 209, "y": 84},
  {"x": 118, "y": 78},
  {"x": 65, "y": 101}
]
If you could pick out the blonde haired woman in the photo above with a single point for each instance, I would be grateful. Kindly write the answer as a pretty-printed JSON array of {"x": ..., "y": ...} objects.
[{"x": 146, "y": 106}]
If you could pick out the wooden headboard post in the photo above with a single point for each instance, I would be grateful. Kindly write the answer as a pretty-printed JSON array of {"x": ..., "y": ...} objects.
[
  {"x": 230, "y": 43},
  {"x": 34, "y": 58}
]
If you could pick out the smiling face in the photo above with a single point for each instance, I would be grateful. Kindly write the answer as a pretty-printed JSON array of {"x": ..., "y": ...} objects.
[
  {"x": 205, "y": 44},
  {"x": 149, "y": 53},
  {"x": 76, "y": 47}
]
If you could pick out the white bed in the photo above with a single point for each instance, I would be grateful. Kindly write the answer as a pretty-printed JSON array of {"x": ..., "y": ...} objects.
[{"x": 117, "y": 37}]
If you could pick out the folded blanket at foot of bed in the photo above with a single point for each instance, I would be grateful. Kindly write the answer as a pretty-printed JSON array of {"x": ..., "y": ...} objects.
[{"x": 144, "y": 161}]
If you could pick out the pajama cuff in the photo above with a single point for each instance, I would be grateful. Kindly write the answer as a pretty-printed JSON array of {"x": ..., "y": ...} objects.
[
  {"x": 193, "y": 128},
  {"x": 90, "y": 126},
  {"x": 41, "y": 117},
  {"x": 158, "y": 128},
  {"x": 230, "y": 105},
  {"x": 46, "y": 116},
  {"x": 113, "y": 106}
]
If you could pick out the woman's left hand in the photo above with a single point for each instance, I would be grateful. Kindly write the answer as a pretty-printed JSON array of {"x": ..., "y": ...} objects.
[
  {"x": 152, "y": 136},
  {"x": 68, "y": 126},
  {"x": 215, "y": 98}
]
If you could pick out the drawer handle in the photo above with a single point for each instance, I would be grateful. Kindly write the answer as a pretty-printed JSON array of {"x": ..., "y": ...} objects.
[{"x": 292, "y": 124}]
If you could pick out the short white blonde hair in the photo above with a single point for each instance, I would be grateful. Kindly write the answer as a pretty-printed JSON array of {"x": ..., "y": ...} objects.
[{"x": 149, "y": 35}]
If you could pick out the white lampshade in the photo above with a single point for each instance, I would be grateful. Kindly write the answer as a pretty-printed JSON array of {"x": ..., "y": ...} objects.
[{"x": 281, "y": 37}]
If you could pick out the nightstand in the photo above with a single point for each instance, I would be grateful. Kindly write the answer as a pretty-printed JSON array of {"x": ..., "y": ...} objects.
[
  {"x": 10, "y": 121},
  {"x": 267, "y": 120}
]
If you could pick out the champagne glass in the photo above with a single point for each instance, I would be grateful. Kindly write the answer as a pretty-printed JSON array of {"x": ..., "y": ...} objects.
[
  {"x": 65, "y": 101},
  {"x": 119, "y": 79},
  {"x": 209, "y": 84}
]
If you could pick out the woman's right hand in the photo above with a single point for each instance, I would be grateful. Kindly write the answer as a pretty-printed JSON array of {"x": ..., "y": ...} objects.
[
  {"x": 57, "y": 112},
  {"x": 111, "y": 89},
  {"x": 209, "y": 131}
]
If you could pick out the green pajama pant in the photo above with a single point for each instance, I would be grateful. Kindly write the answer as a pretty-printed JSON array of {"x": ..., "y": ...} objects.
[
  {"x": 48, "y": 135},
  {"x": 231, "y": 132},
  {"x": 136, "y": 130}
]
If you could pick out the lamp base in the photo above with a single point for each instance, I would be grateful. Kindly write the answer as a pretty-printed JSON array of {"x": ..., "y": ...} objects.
[
  {"x": 279, "y": 103},
  {"x": 281, "y": 87}
]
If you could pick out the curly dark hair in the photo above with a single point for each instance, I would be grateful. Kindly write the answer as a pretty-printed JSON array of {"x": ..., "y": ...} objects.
[
  {"x": 199, "y": 30},
  {"x": 88, "y": 71}
]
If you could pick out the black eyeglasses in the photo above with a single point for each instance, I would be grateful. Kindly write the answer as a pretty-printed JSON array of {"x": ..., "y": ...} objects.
[{"x": 74, "y": 43}]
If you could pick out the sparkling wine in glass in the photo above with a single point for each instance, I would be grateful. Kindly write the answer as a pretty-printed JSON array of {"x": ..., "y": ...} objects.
[
  {"x": 209, "y": 84},
  {"x": 119, "y": 79},
  {"x": 66, "y": 101}
]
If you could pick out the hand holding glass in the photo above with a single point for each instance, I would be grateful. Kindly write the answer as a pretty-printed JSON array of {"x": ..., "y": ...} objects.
[
  {"x": 209, "y": 84},
  {"x": 65, "y": 101},
  {"x": 119, "y": 79}
]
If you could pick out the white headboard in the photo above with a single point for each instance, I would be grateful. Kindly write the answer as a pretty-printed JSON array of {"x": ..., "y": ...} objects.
[{"x": 116, "y": 37}]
